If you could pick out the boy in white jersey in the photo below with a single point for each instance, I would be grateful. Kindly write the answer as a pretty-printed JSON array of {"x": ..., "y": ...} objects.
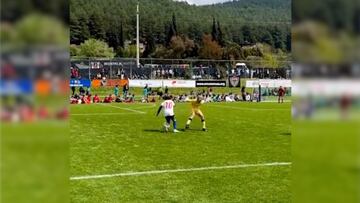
[{"x": 169, "y": 114}]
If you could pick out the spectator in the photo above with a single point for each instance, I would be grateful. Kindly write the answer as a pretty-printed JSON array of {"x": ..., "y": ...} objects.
[
  {"x": 96, "y": 99},
  {"x": 243, "y": 93},
  {"x": 82, "y": 91},
  {"x": 125, "y": 90},
  {"x": 108, "y": 99},
  {"x": 116, "y": 90},
  {"x": 146, "y": 92}
]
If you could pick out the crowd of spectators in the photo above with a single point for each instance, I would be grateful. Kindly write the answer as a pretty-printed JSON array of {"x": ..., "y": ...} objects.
[{"x": 175, "y": 71}]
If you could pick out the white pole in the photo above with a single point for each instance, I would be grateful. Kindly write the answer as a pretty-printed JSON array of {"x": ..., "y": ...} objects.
[{"x": 137, "y": 37}]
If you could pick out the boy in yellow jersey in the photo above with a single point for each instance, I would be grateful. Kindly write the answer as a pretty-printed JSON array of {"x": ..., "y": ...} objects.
[{"x": 195, "y": 108}]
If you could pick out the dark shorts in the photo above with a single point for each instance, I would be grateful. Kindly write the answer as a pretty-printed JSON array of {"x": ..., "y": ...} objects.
[{"x": 170, "y": 118}]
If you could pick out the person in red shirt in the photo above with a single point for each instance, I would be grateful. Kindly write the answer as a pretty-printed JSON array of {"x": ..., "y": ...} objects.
[
  {"x": 84, "y": 100},
  {"x": 281, "y": 94},
  {"x": 96, "y": 99},
  {"x": 108, "y": 99},
  {"x": 43, "y": 113},
  {"x": 89, "y": 98}
]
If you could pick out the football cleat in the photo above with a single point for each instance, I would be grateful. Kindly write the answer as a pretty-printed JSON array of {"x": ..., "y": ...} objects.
[{"x": 176, "y": 131}]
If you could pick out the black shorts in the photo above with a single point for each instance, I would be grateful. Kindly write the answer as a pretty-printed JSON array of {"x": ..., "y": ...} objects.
[{"x": 169, "y": 119}]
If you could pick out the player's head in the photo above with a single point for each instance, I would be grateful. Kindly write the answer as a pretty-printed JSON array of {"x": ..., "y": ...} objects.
[{"x": 166, "y": 97}]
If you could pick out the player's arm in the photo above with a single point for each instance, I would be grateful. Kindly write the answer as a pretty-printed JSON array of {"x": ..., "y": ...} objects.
[{"x": 159, "y": 110}]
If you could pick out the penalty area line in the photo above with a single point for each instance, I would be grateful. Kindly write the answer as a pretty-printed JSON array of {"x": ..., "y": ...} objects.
[
  {"x": 210, "y": 168},
  {"x": 123, "y": 108}
]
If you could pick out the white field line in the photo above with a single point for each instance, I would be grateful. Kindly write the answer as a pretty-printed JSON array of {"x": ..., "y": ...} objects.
[
  {"x": 123, "y": 108},
  {"x": 275, "y": 101},
  {"x": 179, "y": 170},
  {"x": 99, "y": 114},
  {"x": 252, "y": 109}
]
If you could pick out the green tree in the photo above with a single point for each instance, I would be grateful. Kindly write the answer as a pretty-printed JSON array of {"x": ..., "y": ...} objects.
[
  {"x": 220, "y": 37},
  {"x": 214, "y": 31},
  {"x": 95, "y": 48},
  {"x": 96, "y": 26},
  {"x": 130, "y": 51}
]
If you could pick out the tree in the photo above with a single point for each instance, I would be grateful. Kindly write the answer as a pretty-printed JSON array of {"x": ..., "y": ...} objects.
[
  {"x": 220, "y": 37},
  {"x": 214, "y": 31},
  {"x": 171, "y": 30},
  {"x": 267, "y": 38},
  {"x": 278, "y": 38},
  {"x": 114, "y": 36},
  {"x": 95, "y": 48},
  {"x": 130, "y": 51},
  {"x": 233, "y": 52},
  {"x": 74, "y": 50},
  {"x": 96, "y": 26},
  {"x": 174, "y": 23},
  {"x": 150, "y": 45},
  {"x": 210, "y": 49}
]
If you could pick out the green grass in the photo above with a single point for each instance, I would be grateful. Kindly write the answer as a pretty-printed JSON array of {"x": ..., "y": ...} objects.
[
  {"x": 125, "y": 141},
  {"x": 326, "y": 161}
]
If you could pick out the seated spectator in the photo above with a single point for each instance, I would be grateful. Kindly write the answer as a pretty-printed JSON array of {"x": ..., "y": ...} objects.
[
  {"x": 84, "y": 100},
  {"x": 62, "y": 114},
  {"x": 89, "y": 98},
  {"x": 96, "y": 99},
  {"x": 43, "y": 113},
  {"x": 82, "y": 91},
  {"x": 108, "y": 99},
  {"x": 118, "y": 99}
]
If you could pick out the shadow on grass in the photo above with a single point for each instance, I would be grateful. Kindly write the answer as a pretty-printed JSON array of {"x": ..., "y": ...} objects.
[
  {"x": 161, "y": 131},
  {"x": 286, "y": 133}
]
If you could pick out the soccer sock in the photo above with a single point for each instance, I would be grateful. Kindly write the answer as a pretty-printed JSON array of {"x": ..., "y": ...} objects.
[
  {"x": 204, "y": 124},
  {"x": 189, "y": 121},
  {"x": 174, "y": 124}
]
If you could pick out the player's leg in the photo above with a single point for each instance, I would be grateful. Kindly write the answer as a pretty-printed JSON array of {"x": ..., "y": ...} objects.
[
  {"x": 189, "y": 120},
  {"x": 282, "y": 99},
  {"x": 174, "y": 124},
  {"x": 167, "y": 123},
  {"x": 202, "y": 117}
]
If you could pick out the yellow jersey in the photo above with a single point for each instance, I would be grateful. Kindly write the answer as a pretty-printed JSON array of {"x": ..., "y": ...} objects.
[{"x": 195, "y": 104}]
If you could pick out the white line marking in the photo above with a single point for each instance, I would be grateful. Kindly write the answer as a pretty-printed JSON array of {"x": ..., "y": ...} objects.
[
  {"x": 253, "y": 109},
  {"x": 179, "y": 170},
  {"x": 97, "y": 114},
  {"x": 123, "y": 108}
]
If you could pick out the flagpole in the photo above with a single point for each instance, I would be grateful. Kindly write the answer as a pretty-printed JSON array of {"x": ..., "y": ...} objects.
[{"x": 137, "y": 37}]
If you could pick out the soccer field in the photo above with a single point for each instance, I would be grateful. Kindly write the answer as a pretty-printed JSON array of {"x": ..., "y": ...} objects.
[{"x": 119, "y": 154}]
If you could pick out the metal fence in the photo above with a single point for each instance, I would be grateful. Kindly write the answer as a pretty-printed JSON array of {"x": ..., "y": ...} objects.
[{"x": 121, "y": 68}]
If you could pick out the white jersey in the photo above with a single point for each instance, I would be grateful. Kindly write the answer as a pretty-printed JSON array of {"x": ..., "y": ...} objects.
[{"x": 168, "y": 106}]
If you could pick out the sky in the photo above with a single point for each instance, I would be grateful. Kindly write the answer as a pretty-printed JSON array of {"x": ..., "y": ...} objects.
[{"x": 203, "y": 2}]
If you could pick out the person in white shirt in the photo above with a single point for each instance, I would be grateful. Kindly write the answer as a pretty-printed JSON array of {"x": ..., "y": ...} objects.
[{"x": 169, "y": 114}]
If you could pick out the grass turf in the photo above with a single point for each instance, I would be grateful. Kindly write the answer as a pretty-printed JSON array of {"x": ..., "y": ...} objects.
[{"x": 111, "y": 138}]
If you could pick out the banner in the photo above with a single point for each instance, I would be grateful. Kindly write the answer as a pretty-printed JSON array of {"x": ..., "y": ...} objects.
[
  {"x": 179, "y": 83},
  {"x": 210, "y": 83},
  {"x": 268, "y": 83},
  {"x": 80, "y": 83},
  {"x": 142, "y": 83},
  {"x": 16, "y": 87},
  {"x": 234, "y": 81},
  {"x": 109, "y": 83},
  {"x": 162, "y": 83}
]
